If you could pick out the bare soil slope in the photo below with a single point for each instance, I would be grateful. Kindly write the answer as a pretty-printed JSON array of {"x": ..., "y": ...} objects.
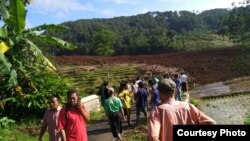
[{"x": 202, "y": 67}]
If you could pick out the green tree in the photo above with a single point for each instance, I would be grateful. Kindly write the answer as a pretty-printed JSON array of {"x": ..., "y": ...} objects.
[
  {"x": 103, "y": 43},
  {"x": 159, "y": 38},
  {"x": 27, "y": 77},
  {"x": 236, "y": 25}
]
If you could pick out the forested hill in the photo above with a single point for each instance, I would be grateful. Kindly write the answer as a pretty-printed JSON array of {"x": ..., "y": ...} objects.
[{"x": 139, "y": 34}]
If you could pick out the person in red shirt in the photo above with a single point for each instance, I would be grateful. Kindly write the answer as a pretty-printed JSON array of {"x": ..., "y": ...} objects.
[{"x": 72, "y": 119}]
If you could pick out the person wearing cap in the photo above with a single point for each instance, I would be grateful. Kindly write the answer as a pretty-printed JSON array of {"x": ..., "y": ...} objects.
[
  {"x": 171, "y": 112},
  {"x": 114, "y": 110}
]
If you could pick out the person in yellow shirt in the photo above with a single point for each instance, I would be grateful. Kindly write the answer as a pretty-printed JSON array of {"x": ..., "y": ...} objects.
[{"x": 125, "y": 97}]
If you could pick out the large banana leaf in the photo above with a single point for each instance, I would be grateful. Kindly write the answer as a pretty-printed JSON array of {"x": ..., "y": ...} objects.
[
  {"x": 5, "y": 66},
  {"x": 13, "y": 78},
  {"x": 38, "y": 53},
  {"x": 49, "y": 27},
  {"x": 56, "y": 41},
  {"x": 3, "y": 33},
  {"x": 3, "y": 10},
  {"x": 17, "y": 15}
]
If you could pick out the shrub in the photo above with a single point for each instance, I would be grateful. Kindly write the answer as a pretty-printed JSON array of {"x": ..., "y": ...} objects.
[{"x": 5, "y": 122}]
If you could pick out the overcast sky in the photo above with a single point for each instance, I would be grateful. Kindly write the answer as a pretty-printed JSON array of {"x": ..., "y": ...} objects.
[{"x": 58, "y": 11}]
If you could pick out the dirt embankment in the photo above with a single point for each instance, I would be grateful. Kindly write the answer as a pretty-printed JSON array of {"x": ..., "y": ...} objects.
[{"x": 202, "y": 67}]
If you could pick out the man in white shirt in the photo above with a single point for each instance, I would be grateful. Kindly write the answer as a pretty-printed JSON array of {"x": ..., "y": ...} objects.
[{"x": 184, "y": 84}]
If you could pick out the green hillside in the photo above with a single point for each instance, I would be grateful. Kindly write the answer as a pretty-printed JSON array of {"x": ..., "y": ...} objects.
[{"x": 147, "y": 33}]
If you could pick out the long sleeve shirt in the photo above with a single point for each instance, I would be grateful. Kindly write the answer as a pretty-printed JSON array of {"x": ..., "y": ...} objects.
[{"x": 171, "y": 112}]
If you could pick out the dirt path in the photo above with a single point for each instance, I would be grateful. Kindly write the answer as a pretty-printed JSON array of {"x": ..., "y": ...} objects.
[{"x": 100, "y": 131}]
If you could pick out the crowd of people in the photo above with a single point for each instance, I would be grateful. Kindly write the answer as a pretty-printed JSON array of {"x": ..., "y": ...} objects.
[{"x": 161, "y": 97}]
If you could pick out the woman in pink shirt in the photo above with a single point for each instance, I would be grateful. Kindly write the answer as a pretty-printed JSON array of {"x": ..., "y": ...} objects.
[
  {"x": 72, "y": 119},
  {"x": 171, "y": 112}
]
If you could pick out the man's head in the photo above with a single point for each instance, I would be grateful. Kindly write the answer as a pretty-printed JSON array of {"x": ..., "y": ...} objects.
[
  {"x": 105, "y": 83},
  {"x": 110, "y": 91},
  {"x": 165, "y": 75},
  {"x": 176, "y": 76},
  {"x": 54, "y": 102},
  {"x": 152, "y": 82},
  {"x": 141, "y": 84},
  {"x": 73, "y": 97},
  {"x": 166, "y": 88}
]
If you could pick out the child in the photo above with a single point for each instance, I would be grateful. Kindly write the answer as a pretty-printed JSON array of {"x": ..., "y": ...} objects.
[{"x": 114, "y": 111}]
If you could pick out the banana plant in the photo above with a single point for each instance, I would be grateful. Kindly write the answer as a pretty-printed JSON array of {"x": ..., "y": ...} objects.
[{"x": 20, "y": 55}]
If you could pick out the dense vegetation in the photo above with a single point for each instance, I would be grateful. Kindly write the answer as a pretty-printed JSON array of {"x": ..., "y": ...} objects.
[
  {"x": 27, "y": 77},
  {"x": 142, "y": 34}
]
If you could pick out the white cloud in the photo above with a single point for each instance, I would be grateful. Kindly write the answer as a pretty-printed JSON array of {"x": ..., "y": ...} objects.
[
  {"x": 118, "y": 1},
  {"x": 60, "y": 8}
]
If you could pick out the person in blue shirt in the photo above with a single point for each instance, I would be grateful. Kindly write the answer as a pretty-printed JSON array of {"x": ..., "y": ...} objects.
[
  {"x": 177, "y": 81},
  {"x": 155, "y": 99},
  {"x": 141, "y": 101}
]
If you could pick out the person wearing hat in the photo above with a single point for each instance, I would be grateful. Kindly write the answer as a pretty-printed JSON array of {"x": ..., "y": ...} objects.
[{"x": 171, "y": 112}]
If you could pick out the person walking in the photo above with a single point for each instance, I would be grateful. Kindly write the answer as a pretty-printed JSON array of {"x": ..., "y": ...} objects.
[
  {"x": 141, "y": 102},
  {"x": 125, "y": 97},
  {"x": 103, "y": 92},
  {"x": 50, "y": 120},
  {"x": 114, "y": 111},
  {"x": 184, "y": 82},
  {"x": 72, "y": 118},
  {"x": 177, "y": 81},
  {"x": 171, "y": 112},
  {"x": 155, "y": 98}
]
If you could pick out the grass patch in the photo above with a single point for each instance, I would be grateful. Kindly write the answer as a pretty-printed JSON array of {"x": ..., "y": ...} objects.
[
  {"x": 247, "y": 120},
  {"x": 88, "y": 82},
  {"x": 96, "y": 116},
  {"x": 196, "y": 41},
  {"x": 21, "y": 133},
  {"x": 195, "y": 101}
]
